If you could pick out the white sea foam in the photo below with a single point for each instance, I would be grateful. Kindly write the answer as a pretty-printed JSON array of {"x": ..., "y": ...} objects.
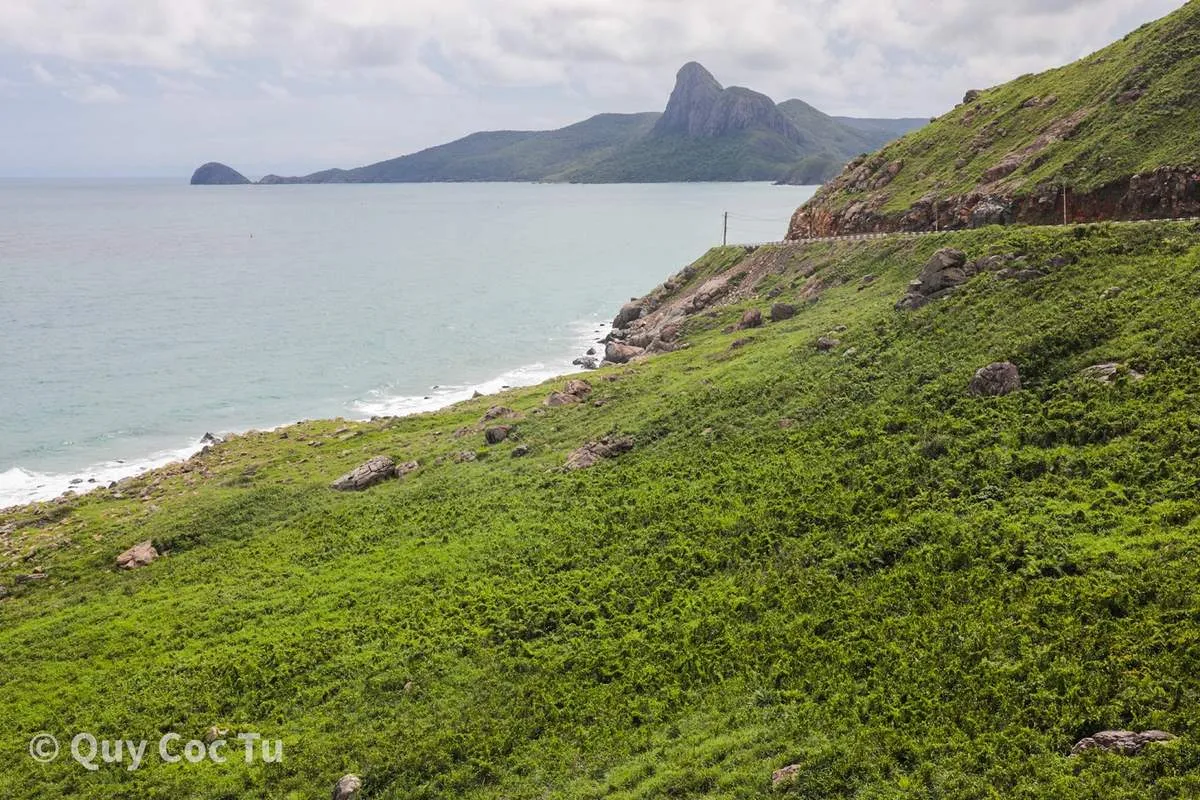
[
  {"x": 384, "y": 402},
  {"x": 20, "y": 486}
]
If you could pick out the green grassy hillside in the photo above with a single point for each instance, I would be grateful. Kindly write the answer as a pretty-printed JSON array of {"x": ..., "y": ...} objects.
[
  {"x": 1129, "y": 108},
  {"x": 839, "y": 560}
]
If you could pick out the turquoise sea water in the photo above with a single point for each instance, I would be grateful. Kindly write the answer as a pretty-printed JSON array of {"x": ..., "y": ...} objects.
[{"x": 136, "y": 316}]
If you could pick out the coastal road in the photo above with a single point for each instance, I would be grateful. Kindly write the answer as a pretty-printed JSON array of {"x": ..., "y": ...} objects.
[{"x": 855, "y": 237}]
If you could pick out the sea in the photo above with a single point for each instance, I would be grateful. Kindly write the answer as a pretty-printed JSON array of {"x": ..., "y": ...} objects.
[{"x": 138, "y": 315}]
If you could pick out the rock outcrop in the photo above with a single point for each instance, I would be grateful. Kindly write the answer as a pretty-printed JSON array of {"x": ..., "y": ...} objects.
[
  {"x": 375, "y": 471},
  {"x": 699, "y": 107},
  {"x": 347, "y": 788},
  {"x": 1125, "y": 743},
  {"x": 996, "y": 380},
  {"x": 217, "y": 174},
  {"x": 140, "y": 555},
  {"x": 593, "y": 453}
]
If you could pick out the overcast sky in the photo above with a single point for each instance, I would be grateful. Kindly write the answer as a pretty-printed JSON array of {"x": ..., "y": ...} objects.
[{"x": 155, "y": 87}]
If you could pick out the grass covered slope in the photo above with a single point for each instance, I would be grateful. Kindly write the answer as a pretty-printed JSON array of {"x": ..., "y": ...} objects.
[
  {"x": 1129, "y": 109},
  {"x": 838, "y": 560}
]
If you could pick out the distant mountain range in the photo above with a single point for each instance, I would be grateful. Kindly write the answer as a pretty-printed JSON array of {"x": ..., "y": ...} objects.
[{"x": 706, "y": 133}]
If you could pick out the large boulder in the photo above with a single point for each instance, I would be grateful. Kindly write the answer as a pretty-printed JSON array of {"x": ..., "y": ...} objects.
[
  {"x": 1125, "y": 743},
  {"x": 996, "y": 380},
  {"x": 619, "y": 353},
  {"x": 753, "y": 318},
  {"x": 497, "y": 434},
  {"x": 630, "y": 312},
  {"x": 140, "y": 555},
  {"x": 945, "y": 269},
  {"x": 377, "y": 470},
  {"x": 347, "y": 787},
  {"x": 782, "y": 311},
  {"x": 576, "y": 391}
]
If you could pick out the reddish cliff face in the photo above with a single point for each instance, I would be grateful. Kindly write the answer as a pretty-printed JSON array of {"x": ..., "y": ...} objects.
[{"x": 1165, "y": 193}]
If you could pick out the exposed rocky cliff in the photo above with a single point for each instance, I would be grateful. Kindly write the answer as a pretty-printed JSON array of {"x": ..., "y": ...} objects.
[
  {"x": 1115, "y": 135},
  {"x": 700, "y": 107}
]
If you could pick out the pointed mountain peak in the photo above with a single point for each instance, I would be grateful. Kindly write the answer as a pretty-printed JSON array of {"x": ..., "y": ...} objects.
[{"x": 693, "y": 75}]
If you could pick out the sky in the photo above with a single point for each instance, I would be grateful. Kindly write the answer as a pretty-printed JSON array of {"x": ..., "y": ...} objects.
[{"x": 105, "y": 88}]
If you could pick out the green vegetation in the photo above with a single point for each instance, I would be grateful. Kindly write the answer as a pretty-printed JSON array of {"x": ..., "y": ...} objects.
[
  {"x": 838, "y": 560},
  {"x": 1138, "y": 110}
]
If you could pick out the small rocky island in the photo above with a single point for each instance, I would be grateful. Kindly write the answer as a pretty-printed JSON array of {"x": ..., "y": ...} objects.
[{"x": 216, "y": 174}]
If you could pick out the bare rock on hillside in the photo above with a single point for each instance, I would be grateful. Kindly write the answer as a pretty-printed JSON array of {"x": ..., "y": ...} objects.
[
  {"x": 593, "y": 453},
  {"x": 827, "y": 343},
  {"x": 619, "y": 353},
  {"x": 497, "y": 434},
  {"x": 375, "y": 471},
  {"x": 1111, "y": 372},
  {"x": 576, "y": 391},
  {"x": 140, "y": 555},
  {"x": 347, "y": 787},
  {"x": 499, "y": 412},
  {"x": 996, "y": 380},
  {"x": 586, "y": 362},
  {"x": 947, "y": 269},
  {"x": 630, "y": 312},
  {"x": 782, "y": 777},
  {"x": 781, "y": 312},
  {"x": 990, "y": 212},
  {"x": 971, "y": 96},
  {"x": 1125, "y": 743},
  {"x": 753, "y": 318}
]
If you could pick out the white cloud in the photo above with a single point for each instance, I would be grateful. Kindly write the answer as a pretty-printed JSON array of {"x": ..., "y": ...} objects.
[{"x": 417, "y": 71}]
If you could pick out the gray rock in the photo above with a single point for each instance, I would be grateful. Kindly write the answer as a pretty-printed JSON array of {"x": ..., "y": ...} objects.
[
  {"x": 520, "y": 451},
  {"x": 1126, "y": 743},
  {"x": 140, "y": 555},
  {"x": 630, "y": 312},
  {"x": 996, "y": 380},
  {"x": 946, "y": 269},
  {"x": 499, "y": 412},
  {"x": 752, "y": 318},
  {"x": 971, "y": 96},
  {"x": 587, "y": 362},
  {"x": 347, "y": 787},
  {"x": 826, "y": 344},
  {"x": 1110, "y": 372},
  {"x": 497, "y": 434},
  {"x": 619, "y": 353},
  {"x": 593, "y": 453},
  {"x": 377, "y": 470},
  {"x": 782, "y": 311}
]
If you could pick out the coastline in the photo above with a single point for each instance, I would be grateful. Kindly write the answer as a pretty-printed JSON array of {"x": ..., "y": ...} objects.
[{"x": 21, "y": 487}]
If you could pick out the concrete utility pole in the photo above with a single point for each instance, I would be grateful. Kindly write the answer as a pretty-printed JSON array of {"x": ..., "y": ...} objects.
[{"x": 725, "y": 235}]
